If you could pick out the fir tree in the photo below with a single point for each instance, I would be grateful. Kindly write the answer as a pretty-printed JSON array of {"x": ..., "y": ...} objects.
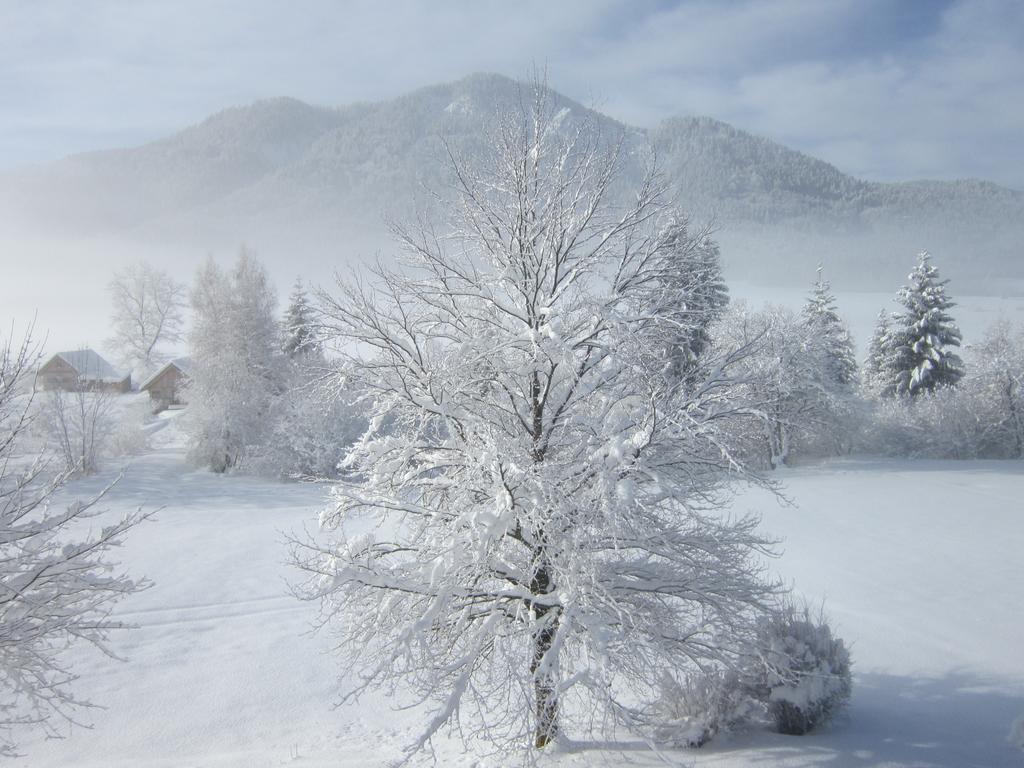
[
  {"x": 297, "y": 327},
  {"x": 876, "y": 365},
  {"x": 921, "y": 355},
  {"x": 694, "y": 297},
  {"x": 829, "y": 330}
]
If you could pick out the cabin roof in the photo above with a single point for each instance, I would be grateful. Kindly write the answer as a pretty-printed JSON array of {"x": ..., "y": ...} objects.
[
  {"x": 89, "y": 365},
  {"x": 183, "y": 364}
]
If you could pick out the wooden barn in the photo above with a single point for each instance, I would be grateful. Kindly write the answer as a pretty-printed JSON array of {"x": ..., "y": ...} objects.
[
  {"x": 166, "y": 386},
  {"x": 82, "y": 369}
]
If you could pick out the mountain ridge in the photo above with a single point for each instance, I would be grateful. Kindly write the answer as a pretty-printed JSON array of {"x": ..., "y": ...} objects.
[{"x": 281, "y": 167}]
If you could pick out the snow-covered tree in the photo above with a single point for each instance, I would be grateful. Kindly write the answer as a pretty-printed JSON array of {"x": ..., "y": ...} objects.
[
  {"x": 923, "y": 334},
  {"x": 530, "y": 532},
  {"x": 236, "y": 362},
  {"x": 312, "y": 425},
  {"x": 694, "y": 296},
  {"x": 875, "y": 376},
  {"x": 57, "y": 586},
  {"x": 786, "y": 387},
  {"x": 79, "y": 423},
  {"x": 830, "y": 339},
  {"x": 832, "y": 335},
  {"x": 148, "y": 315},
  {"x": 297, "y": 327},
  {"x": 996, "y": 385}
]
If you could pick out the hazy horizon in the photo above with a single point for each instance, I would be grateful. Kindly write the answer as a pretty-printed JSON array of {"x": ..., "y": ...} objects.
[{"x": 882, "y": 91}]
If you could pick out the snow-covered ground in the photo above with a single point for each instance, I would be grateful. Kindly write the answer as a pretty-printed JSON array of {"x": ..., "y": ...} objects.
[{"x": 920, "y": 563}]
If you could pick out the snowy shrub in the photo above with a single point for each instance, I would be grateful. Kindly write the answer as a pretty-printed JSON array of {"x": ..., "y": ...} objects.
[
  {"x": 805, "y": 670},
  {"x": 975, "y": 420},
  {"x": 310, "y": 434},
  {"x": 79, "y": 425},
  {"x": 935, "y": 425},
  {"x": 797, "y": 395},
  {"x": 692, "y": 711},
  {"x": 129, "y": 436}
]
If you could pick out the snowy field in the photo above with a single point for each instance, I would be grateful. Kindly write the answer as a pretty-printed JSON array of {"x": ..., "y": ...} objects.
[{"x": 920, "y": 563}]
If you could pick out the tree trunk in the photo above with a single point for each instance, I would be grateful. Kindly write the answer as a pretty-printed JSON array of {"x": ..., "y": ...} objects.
[
  {"x": 1016, "y": 420},
  {"x": 545, "y": 691}
]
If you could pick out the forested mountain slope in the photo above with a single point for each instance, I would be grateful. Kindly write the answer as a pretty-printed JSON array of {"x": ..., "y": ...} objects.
[{"x": 286, "y": 176}]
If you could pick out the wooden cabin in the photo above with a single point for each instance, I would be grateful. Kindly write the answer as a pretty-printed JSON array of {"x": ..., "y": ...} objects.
[
  {"x": 166, "y": 386},
  {"x": 82, "y": 369}
]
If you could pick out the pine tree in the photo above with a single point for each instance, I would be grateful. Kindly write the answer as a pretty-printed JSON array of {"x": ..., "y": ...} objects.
[
  {"x": 297, "y": 327},
  {"x": 830, "y": 332},
  {"x": 921, "y": 359},
  {"x": 876, "y": 364},
  {"x": 694, "y": 297}
]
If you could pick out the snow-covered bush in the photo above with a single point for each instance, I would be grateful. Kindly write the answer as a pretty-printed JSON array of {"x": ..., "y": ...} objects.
[
  {"x": 796, "y": 392},
  {"x": 311, "y": 430},
  {"x": 694, "y": 709},
  {"x": 803, "y": 670},
  {"x": 129, "y": 436},
  {"x": 79, "y": 425},
  {"x": 995, "y": 386},
  {"x": 934, "y": 425}
]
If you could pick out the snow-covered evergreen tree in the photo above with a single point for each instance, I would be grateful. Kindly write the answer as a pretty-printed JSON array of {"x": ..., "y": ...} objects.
[
  {"x": 923, "y": 335},
  {"x": 237, "y": 363},
  {"x": 297, "y": 326},
  {"x": 832, "y": 336},
  {"x": 547, "y": 544},
  {"x": 694, "y": 296},
  {"x": 830, "y": 340},
  {"x": 875, "y": 374}
]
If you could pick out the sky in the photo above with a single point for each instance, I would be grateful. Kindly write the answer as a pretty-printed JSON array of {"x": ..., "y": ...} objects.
[{"x": 883, "y": 89}]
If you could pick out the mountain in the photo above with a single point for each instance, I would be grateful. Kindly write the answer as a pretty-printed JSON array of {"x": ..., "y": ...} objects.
[{"x": 314, "y": 186}]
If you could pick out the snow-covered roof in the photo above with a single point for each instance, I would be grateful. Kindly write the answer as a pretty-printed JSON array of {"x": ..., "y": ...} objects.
[
  {"x": 183, "y": 364},
  {"x": 91, "y": 366}
]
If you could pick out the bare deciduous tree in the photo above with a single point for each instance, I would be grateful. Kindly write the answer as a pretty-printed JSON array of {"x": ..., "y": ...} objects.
[
  {"x": 79, "y": 422},
  {"x": 148, "y": 313}
]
